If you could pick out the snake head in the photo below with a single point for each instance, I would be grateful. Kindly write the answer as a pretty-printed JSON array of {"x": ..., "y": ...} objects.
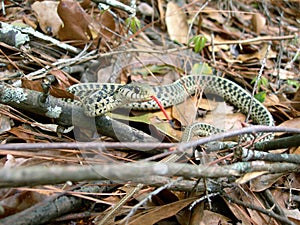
[{"x": 135, "y": 93}]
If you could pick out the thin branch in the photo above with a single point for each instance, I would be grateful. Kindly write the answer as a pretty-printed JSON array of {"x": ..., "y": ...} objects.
[
  {"x": 39, "y": 175},
  {"x": 270, "y": 213},
  {"x": 228, "y": 134},
  {"x": 248, "y": 155},
  {"x": 146, "y": 146},
  {"x": 258, "y": 78},
  {"x": 31, "y": 31},
  {"x": 285, "y": 142}
]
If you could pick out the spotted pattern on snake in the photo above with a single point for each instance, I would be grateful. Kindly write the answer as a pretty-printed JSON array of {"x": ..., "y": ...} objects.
[{"x": 98, "y": 99}]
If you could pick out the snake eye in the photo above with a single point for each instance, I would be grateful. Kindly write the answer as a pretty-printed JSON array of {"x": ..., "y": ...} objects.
[{"x": 136, "y": 90}]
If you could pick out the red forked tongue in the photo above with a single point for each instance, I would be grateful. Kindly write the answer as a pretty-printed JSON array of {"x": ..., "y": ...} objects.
[{"x": 162, "y": 109}]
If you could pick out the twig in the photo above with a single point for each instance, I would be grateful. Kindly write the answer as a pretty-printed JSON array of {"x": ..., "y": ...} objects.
[
  {"x": 258, "y": 39},
  {"x": 31, "y": 31},
  {"x": 258, "y": 78},
  {"x": 117, "y": 206},
  {"x": 155, "y": 192},
  {"x": 248, "y": 155},
  {"x": 290, "y": 63},
  {"x": 39, "y": 175},
  {"x": 285, "y": 142},
  {"x": 118, "y": 5},
  {"x": 228, "y": 134},
  {"x": 195, "y": 17},
  {"x": 61, "y": 64},
  {"x": 293, "y": 141},
  {"x": 264, "y": 211}
]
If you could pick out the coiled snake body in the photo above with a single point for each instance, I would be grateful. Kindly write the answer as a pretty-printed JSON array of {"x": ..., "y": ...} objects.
[{"x": 98, "y": 99}]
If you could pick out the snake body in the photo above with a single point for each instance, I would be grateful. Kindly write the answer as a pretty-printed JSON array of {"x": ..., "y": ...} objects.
[{"x": 98, "y": 99}]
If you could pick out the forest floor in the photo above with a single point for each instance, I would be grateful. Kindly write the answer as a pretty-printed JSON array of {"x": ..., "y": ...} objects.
[{"x": 60, "y": 166}]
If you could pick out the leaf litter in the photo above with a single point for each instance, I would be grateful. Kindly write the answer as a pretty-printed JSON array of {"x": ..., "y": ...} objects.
[{"x": 237, "y": 36}]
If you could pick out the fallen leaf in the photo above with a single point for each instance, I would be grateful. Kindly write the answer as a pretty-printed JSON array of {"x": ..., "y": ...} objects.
[
  {"x": 5, "y": 124},
  {"x": 258, "y": 22},
  {"x": 259, "y": 55},
  {"x": 75, "y": 22},
  {"x": 47, "y": 16},
  {"x": 19, "y": 132},
  {"x": 264, "y": 182},
  {"x": 210, "y": 217},
  {"x": 293, "y": 123},
  {"x": 176, "y": 22},
  {"x": 159, "y": 213},
  {"x": 186, "y": 111}
]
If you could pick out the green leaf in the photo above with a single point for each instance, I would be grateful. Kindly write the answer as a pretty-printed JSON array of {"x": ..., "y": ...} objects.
[
  {"x": 262, "y": 82},
  {"x": 261, "y": 96},
  {"x": 199, "y": 42},
  {"x": 133, "y": 23},
  {"x": 293, "y": 83},
  {"x": 201, "y": 68}
]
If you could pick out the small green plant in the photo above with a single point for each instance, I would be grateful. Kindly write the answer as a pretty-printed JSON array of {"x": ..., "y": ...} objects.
[
  {"x": 199, "y": 42},
  {"x": 262, "y": 82},
  {"x": 201, "y": 68},
  {"x": 133, "y": 23},
  {"x": 293, "y": 83},
  {"x": 261, "y": 95}
]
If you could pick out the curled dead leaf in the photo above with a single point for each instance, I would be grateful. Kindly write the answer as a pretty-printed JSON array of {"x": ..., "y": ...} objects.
[
  {"x": 258, "y": 22},
  {"x": 78, "y": 25},
  {"x": 176, "y": 22},
  {"x": 47, "y": 16}
]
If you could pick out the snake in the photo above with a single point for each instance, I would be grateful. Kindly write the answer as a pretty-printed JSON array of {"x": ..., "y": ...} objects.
[{"x": 98, "y": 99}]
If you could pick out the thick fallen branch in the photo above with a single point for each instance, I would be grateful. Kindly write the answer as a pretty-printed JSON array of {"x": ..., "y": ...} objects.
[
  {"x": 52, "y": 208},
  {"x": 38, "y": 175},
  {"x": 67, "y": 114}
]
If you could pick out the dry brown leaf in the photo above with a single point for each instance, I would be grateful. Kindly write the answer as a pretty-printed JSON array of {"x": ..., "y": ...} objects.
[
  {"x": 61, "y": 78},
  {"x": 238, "y": 211},
  {"x": 256, "y": 217},
  {"x": 19, "y": 132},
  {"x": 258, "y": 22},
  {"x": 54, "y": 91},
  {"x": 264, "y": 182},
  {"x": 78, "y": 25},
  {"x": 296, "y": 101},
  {"x": 214, "y": 15},
  {"x": 285, "y": 74},
  {"x": 293, "y": 123},
  {"x": 75, "y": 22},
  {"x": 223, "y": 117},
  {"x": 247, "y": 216},
  {"x": 32, "y": 85},
  {"x": 176, "y": 22},
  {"x": 12, "y": 162},
  {"x": 249, "y": 176},
  {"x": 258, "y": 55},
  {"x": 295, "y": 150},
  {"x": 107, "y": 25},
  {"x": 210, "y": 217},
  {"x": 271, "y": 100},
  {"x": 20, "y": 201},
  {"x": 186, "y": 111},
  {"x": 162, "y": 212},
  {"x": 47, "y": 16},
  {"x": 5, "y": 124}
]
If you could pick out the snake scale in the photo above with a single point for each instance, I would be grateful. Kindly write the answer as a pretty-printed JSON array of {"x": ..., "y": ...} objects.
[{"x": 98, "y": 99}]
